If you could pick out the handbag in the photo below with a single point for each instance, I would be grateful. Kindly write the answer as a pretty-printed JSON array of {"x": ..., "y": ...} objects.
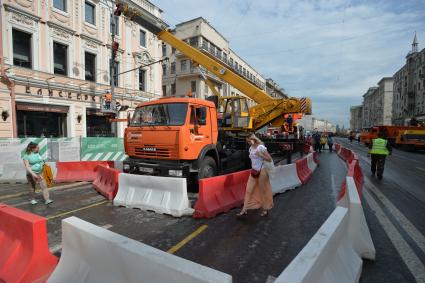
[
  {"x": 256, "y": 173},
  {"x": 47, "y": 175}
]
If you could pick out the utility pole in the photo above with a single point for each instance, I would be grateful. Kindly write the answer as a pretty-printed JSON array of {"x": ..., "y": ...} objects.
[{"x": 112, "y": 62}]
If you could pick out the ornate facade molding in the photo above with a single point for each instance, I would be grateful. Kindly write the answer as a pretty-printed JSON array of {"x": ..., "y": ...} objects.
[
  {"x": 61, "y": 31},
  {"x": 21, "y": 16}
]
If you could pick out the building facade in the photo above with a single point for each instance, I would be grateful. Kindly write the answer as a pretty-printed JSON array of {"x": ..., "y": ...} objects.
[
  {"x": 377, "y": 104},
  {"x": 356, "y": 114},
  {"x": 181, "y": 77},
  {"x": 55, "y": 59},
  {"x": 273, "y": 89},
  {"x": 409, "y": 91},
  {"x": 311, "y": 124}
]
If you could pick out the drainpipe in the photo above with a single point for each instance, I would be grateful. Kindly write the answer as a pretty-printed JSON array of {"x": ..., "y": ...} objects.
[{"x": 10, "y": 84}]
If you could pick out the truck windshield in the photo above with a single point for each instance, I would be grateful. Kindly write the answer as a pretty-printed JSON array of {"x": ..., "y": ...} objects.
[{"x": 166, "y": 114}]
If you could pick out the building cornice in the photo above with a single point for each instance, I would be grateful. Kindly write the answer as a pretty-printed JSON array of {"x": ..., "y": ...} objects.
[
  {"x": 89, "y": 38},
  {"x": 57, "y": 26},
  {"x": 16, "y": 10}
]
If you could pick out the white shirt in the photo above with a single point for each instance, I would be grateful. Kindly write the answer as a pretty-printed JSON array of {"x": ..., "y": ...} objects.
[{"x": 256, "y": 161}]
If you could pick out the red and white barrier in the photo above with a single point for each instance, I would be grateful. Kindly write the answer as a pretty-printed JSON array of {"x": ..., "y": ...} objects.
[
  {"x": 285, "y": 178},
  {"x": 106, "y": 181},
  {"x": 94, "y": 254}
]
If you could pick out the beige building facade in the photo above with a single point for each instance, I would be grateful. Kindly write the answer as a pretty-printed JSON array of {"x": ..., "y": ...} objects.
[
  {"x": 181, "y": 77},
  {"x": 409, "y": 90},
  {"x": 378, "y": 104},
  {"x": 275, "y": 90},
  {"x": 356, "y": 115},
  {"x": 55, "y": 59}
]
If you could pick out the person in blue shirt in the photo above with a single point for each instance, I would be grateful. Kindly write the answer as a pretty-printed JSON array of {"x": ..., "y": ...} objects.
[{"x": 34, "y": 167}]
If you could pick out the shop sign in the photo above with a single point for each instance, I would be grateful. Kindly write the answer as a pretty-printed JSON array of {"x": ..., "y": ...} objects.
[{"x": 59, "y": 93}]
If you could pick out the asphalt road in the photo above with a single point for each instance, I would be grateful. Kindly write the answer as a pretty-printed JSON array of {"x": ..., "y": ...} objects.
[
  {"x": 256, "y": 249},
  {"x": 395, "y": 212}
]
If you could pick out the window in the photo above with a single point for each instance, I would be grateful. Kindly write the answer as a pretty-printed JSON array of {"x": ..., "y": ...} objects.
[
  {"x": 90, "y": 66},
  {"x": 116, "y": 71},
  {"x": 224, "y": 57},
  {"x": 22, "y": 49},
  {"x": 173, "y": 68},
  {"x": 183, "y": 65},
  {"x": 193, "y": 86},
  {"x": 90, "y": 13},
  {"x": 193, "y": 41},
  {"x": 173, "y": 89},
  {"x": 60, "y": 59},
  {"x": 206, "y": 88},
  {"x": 164, "y": 70},
  {"x": 173, "y": 50},
  {"x": 117, "y": 25},
  {"x": 164, "y": 90},
  {"x": 142, "y": 38},
  {"x": 231, "y": 62},
  {"x": 164, "y": 50},
  {"x": 60, "y": 4},
  {"x": 142, "y": 80},
  {"x": 198, "y": 115}
]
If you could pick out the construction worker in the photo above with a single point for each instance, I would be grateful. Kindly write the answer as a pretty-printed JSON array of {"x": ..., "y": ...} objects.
[
  {"x": 108, "y": 100},
  {"x": 379, "y": 149}
]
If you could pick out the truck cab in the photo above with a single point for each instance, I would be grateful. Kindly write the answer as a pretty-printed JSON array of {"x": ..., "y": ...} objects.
[{"x": 176, "y": 137}]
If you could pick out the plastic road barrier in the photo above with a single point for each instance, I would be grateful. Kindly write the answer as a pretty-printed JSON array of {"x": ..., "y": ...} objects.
[
  {"x": 358, "y": 231},
  {"x": 160, "y": 194},
  {"x": 316, "y": 158},
  {"x": 78, "y": 171},
  {"x": 220, "y": 194},
  {"x": 328, "y": 257},
  {"x": 355, "y": 171},
  {"x": 285, "y": 178},
  {"x": 24, "y": 252},
  {"x": 97, "y": 255},
  {"x": 106, "y": 181},
  {"x": 14, "y": 173},
  {"x": 303, "y": 171},
  {"x": 311, "y": 162}
]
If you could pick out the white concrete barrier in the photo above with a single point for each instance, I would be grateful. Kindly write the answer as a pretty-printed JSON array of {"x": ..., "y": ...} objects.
[
  {"x": 160, "y": 194},
  {"x": 94, "y": 254},
  {"x": 284, "y": 178},
  {"x": 328, "y": 257},
  {"x": 311, "y": 163},
  {"x": 358, "y": 231},
  {"x": 14, "y": 173}
]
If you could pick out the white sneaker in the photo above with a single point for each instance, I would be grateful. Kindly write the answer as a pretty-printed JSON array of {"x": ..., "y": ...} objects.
[
  {"x": 49, "y": 201},
  {"x": 33, "y": 201}
]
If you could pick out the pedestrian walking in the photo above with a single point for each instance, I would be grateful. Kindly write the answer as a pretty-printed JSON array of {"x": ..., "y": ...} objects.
[
  {"x": 358, "y": 138},
  {"x": 351, "y": 137},
  {"x": 379, "y": 149},
  {"x": 258, "y": 192},
  {"x": 322, "y": 142},
  {"x": 330, "y": 142},
  {"x": 34, "y": 167},
  {"x": 316, "y": 140}
]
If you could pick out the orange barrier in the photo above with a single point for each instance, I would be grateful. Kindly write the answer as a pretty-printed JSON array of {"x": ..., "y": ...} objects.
[
  {"x": 304, "y": 173},
  {"x": 78, "y": 171},
  {"x": 24, "y": 252},
  {"x": 220, "y": 194},
  {"x": 355, "y": 171},
  {"x": 106, "y": 181}
]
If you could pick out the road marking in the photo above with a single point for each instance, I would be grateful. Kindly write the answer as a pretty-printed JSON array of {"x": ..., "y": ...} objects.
[
  {"x": 58, "y": 247},
  {"x": 420, "y": 168},
  {"x": 75, "y": 210},
  {"x": 67, "y": 186},
  {"x": 186, "y": 240},
  {"x": 408, "y": 227},
  {"x": 411, "y": 260}
]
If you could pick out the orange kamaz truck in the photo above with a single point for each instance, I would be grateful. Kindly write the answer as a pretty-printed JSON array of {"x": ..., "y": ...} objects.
[{"x": 390, "y": 133}]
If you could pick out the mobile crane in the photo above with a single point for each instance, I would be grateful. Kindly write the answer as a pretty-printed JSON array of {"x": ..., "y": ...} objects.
[{"x": 187, "y": 137}]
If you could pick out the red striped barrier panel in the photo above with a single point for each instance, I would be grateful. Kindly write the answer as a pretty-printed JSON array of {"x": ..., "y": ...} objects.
[
  {"x": 316, "y": 158},
  {"x": 355, "y": 171},
  {"x": 220, "y": 194},
  {"x": 344, "y": 153},
  {"x": 342, "y": 192},
  {"x": 78, "y": 171},
  {"x": 106, "y": 181},
  {"x": 304, "y": 173},
  {"x": 24, "y": 252}
]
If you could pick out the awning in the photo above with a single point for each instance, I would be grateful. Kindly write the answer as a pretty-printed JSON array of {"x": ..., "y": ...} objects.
[{"x": 41, "y": 107}]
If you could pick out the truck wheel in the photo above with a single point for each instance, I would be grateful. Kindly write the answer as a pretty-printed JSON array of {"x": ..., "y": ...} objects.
[{"x": 208, "y": 168}]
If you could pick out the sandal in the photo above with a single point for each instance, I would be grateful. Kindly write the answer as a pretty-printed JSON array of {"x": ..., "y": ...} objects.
[
  {"x": 264, "y": 213},
  {"x": 241, "y": 214}
]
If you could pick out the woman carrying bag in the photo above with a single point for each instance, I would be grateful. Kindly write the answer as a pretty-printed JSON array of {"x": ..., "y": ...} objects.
[
  {"x": 258, "y": 192},
  {"x": 34, "y": 167}
]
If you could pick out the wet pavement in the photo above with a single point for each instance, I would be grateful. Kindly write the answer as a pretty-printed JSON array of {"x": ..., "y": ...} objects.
[{"x": 252, "y": 250}]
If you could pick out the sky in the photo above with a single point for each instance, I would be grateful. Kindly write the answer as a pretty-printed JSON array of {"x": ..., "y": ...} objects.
[{"x": 331, "y": 51}]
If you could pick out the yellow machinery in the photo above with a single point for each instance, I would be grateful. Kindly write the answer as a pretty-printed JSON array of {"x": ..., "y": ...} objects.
[{"x": 268, "y": 111}]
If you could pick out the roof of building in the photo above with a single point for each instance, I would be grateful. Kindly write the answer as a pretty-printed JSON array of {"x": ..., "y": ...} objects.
[
  {"x": 386, "y": 79},
  {"x": 202, "y": 19}
]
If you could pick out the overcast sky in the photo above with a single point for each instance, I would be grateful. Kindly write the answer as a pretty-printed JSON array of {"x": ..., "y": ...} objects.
[{"x": 331, "y": 51}]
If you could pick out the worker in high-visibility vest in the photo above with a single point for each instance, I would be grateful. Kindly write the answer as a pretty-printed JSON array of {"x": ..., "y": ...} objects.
[{"x": 379, "y": 149}]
